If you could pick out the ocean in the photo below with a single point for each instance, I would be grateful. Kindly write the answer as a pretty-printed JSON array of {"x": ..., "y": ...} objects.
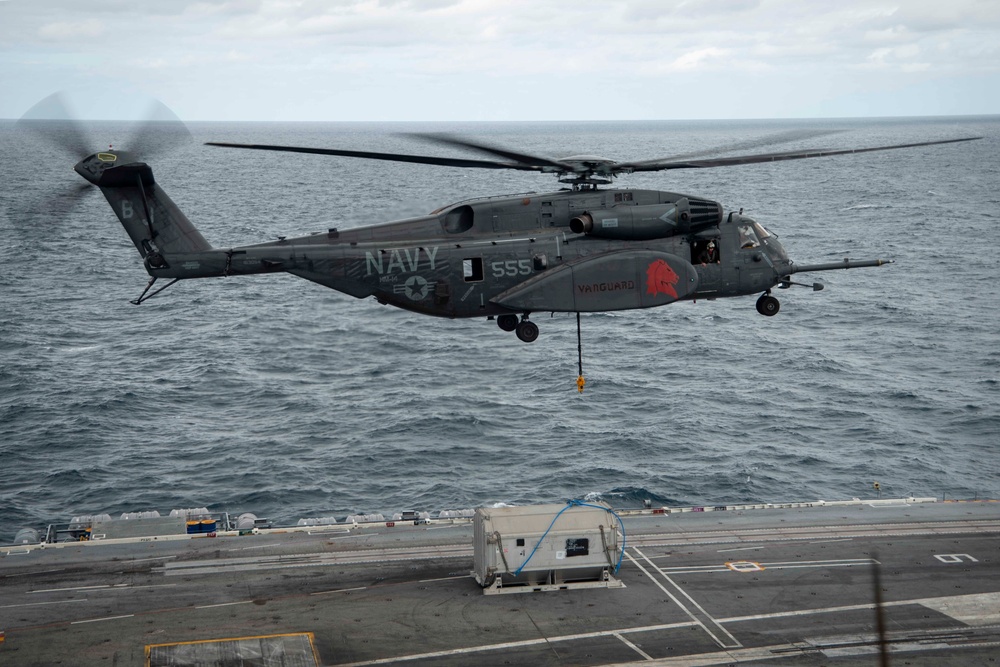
[{"x": 275, "y": 396}]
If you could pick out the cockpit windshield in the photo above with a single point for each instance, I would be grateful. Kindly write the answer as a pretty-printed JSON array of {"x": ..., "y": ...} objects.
[
  {"x": 748, "y": 237},
  {"x": 761, "y": 232},
  {"x": 752, "y": 235}
]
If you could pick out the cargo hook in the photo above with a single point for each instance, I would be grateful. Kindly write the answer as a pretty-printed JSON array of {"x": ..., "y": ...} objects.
[{"x": 579, "y": 356}]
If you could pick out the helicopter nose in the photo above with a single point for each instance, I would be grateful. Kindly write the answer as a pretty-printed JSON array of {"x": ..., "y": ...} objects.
[{"x": 776, "y": 250}]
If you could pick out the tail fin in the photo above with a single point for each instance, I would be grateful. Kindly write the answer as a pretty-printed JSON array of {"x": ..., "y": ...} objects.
[{"x": 154, "y": 223}]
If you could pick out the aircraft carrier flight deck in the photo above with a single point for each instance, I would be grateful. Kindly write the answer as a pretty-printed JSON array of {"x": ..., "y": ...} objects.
[{"x": 816, "y": 583}]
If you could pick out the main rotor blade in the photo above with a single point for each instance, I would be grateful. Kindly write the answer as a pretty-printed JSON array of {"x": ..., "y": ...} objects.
[
  {"x": 785, "y": 137},
  {"x": 660, "y": 165},
  {"x": 393, "y": 157},
  {"x": 520, "y": 158}
]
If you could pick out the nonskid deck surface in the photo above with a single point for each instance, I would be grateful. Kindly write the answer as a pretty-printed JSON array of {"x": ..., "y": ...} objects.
[{"x": 773, "y": 586}]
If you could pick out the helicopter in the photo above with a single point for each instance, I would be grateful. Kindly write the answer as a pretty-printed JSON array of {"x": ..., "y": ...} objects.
[{"x": 583, "y": 248}]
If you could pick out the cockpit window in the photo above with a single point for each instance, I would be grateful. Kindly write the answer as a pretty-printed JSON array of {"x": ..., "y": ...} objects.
[
  {"x": 761, "y": 232},
  {"x": 748, "y": 238}
]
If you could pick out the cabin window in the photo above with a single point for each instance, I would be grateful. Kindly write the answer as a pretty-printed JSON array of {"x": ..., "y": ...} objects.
[
  {"x": 622, "y": 197},
  {"x": 472, "y": 269}
]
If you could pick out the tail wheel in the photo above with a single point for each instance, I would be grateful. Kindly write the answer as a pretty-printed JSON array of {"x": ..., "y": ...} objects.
[
  {"x": 768, "y": 305},
  {"x": 507, "y": 322},
  {"x": 527, "y": 331}
]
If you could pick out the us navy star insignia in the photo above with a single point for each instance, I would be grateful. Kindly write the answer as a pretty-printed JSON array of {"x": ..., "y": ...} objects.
[{"x": 415, "y": 288}]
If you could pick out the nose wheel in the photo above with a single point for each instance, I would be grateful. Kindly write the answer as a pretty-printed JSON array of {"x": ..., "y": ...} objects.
[{"x": 768, "y": 305}]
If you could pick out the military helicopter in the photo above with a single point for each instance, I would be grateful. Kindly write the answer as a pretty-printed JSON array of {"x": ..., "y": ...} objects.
[
  {"x": 581, "y": 249},
  {"x": 577, "y": 250}
]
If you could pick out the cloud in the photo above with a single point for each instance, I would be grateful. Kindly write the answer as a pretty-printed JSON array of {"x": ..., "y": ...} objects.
[
  {"x": 88, "y": 28},
  {"x": 521, "y": 56}
]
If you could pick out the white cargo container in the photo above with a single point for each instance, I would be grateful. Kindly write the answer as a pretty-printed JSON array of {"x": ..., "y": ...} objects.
[{"x": 546, "y": 547}]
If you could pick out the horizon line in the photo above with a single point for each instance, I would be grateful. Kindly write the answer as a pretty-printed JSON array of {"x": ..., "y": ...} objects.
[{"x": 564, "y": 120}]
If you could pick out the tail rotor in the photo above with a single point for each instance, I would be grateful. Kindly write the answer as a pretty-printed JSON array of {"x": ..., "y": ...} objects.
[{"x": 51, "y": 136}]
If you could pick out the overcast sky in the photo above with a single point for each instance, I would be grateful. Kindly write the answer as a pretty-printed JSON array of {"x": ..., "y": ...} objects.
[{"x": 504, "y": 60}]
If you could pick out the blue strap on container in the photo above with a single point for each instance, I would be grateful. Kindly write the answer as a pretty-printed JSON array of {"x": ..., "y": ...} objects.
[{"x": 577, "y": 503}]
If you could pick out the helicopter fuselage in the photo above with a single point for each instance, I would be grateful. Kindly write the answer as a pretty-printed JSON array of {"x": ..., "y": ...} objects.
[{"x": 497, "y": 255}]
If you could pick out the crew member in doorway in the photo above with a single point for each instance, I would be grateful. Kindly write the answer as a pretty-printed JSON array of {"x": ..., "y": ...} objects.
[{"x": 709, "y": 254}]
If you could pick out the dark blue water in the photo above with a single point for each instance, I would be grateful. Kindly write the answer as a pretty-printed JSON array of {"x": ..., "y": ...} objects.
[{"x": 276, "y": 396}]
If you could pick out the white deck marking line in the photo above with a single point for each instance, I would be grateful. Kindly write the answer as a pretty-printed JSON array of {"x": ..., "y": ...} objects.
[
  {"x": 670, "y": 595},
  {"x": 38, "y": 604},
  {"x": 852, "y": 561},
  {"x": 930, "y": 603},
  {"x": 736, "y": 642},
  {"x": 339, "y": 590},
  {"x": 28, "y": 574},
  {"x": 257, "y": 546},
  {"x": 359, "y": 555},
  {"x": 781, "y": 565},
  {"x": 739, "y": 549},
  {"x": 223, "y": 604},
  {"x": 689, "y": 568},
  {"x": 106, "y": 618},
  {"x": 515, "y": 645},
  {"x": 460, "y": 576},
  {"x": 820, "y": 610},
  {"x": 102, "y": 587},
  {"x": 708, "y": 569},
  {"x": 74, "y": 588},
  {"x": 976, "y": 526},
  {"x": 842, "y": 539},
  {"x": 318, "y": 560},
  {"x": 633, "y": 646},
  {"x": 796, "y": 567}
]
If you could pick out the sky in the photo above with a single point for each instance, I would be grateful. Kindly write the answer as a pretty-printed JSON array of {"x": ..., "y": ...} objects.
[{"x": 511, "y": 60}]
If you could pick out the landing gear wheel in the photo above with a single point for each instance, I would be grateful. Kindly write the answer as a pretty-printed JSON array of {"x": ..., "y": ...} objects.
[
  {"x": 527, "y": 331},
  {"x": 507, "y": 322},
  {"x": 768, "y": 305}
]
